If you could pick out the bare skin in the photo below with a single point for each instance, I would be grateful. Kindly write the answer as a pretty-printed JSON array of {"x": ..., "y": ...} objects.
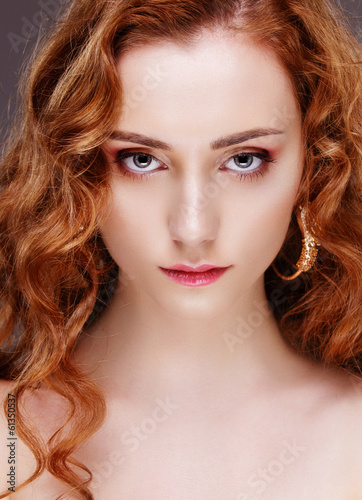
[
  {"x": 297, "y": 440},
  {"x": 206, "y": 400}
]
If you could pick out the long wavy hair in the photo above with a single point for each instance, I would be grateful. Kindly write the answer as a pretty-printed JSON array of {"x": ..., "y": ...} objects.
[{"x": 55, "y": 192}]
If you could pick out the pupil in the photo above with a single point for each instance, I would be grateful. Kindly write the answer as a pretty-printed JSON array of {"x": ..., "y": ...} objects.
[
  {"x": 244, "y": 161},
  {"x": 142, "y": 161}
]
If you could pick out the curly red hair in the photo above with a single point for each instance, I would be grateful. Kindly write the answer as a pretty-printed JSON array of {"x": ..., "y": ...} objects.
[{"x": 54, "y": 182}]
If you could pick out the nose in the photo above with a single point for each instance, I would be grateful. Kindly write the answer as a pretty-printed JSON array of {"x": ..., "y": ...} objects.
[{"x": 194, "y": 218}]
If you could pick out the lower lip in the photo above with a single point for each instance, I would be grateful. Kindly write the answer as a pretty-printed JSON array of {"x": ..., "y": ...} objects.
[{"x": 194, "y": 278}]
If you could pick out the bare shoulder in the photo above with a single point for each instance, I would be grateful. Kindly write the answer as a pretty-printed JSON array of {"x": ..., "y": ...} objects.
[
  {"x": 350, "y": 416},
  {"x": 46, "y": 412},
  {"x": 340, "y": 395},
  {"x": 7, "y": 433},
  {"x": 348, "y": 406},
  {"x": 344, "y": 392}
]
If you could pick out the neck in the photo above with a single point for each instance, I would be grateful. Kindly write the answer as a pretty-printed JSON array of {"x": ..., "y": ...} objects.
[{"x": 152, "y": 349}]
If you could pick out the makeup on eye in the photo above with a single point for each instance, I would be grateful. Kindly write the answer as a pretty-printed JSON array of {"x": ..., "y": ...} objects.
[{"x": 245, "y": 164}]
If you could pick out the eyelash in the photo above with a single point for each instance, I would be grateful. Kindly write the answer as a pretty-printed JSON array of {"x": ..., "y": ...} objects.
[{"x": 258, "y": 172}]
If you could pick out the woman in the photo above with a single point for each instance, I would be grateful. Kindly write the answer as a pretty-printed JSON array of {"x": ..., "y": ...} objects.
[{"x": 157, "y": 340}]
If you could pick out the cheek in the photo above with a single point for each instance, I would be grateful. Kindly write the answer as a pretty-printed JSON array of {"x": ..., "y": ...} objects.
[
  {"x": 129, "y": 231},
  {"x": 258, "y": 221},
  {"x": 273, "y": 225}
]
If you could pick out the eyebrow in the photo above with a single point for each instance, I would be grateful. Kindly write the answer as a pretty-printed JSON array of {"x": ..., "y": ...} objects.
[{"x": 223, "y": 142}]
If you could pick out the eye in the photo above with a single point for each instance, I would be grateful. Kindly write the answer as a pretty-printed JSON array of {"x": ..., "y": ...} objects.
[
  {"x": 246, "y": 162},
  {"x": 138, "y": 161}
]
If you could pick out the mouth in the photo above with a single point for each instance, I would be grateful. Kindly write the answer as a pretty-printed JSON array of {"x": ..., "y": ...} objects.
[{"x": 195, "y": 278}]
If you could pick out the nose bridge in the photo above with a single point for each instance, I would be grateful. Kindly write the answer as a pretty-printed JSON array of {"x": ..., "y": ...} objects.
[{"x": 194, "y": 217}]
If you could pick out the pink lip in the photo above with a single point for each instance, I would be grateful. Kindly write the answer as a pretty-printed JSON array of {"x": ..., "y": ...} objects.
[{"x": 195, "y": 278}]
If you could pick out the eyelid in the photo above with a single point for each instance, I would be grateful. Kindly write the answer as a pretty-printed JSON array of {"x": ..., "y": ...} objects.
[{"x": 244, "y": 150}]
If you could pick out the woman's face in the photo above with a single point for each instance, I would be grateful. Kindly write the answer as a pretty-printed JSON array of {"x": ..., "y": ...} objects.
[{"x": 205, "y": 160}]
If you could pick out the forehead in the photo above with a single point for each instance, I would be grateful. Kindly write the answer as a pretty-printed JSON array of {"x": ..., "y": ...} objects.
[{"x": 187, "y": 92}]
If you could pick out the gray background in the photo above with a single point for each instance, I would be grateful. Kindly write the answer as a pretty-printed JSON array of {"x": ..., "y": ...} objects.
[{"x": 22, "y": 20}]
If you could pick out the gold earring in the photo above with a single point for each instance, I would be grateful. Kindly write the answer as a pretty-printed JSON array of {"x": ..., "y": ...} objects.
[{"x": 309, "y": 251}]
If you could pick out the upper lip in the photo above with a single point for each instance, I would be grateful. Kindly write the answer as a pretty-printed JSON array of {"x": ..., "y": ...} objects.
[{"x": 198, "y": 269}]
